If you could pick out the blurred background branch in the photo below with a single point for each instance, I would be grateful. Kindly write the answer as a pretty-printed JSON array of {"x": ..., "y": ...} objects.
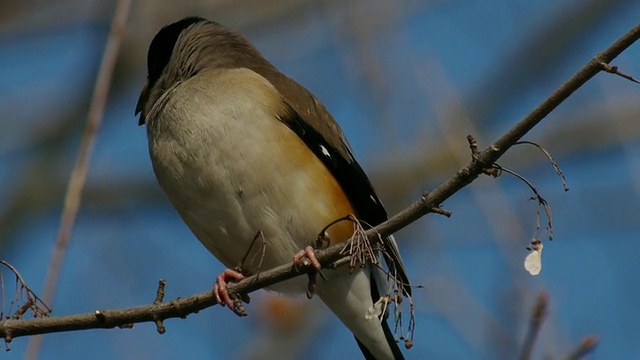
[{"x": 78, "y": 176}]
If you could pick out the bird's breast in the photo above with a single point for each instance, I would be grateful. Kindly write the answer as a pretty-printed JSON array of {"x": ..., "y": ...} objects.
[{"x": 233, "y": 170}]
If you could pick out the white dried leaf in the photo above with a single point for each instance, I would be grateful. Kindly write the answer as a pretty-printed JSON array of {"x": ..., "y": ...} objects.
[
  {"x": 378, "y": 308},
  {"x": 533, "y": 261}
]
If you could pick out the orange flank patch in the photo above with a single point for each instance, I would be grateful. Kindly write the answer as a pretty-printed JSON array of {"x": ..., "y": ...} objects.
[{"x": 318, "y": 192}]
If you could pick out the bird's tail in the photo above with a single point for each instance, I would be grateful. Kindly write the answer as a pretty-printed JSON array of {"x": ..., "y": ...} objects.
[{"x": 350, "y": 297}]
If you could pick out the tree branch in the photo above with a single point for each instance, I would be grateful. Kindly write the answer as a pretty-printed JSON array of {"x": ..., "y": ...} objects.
[{"x": 182, "y": 307}]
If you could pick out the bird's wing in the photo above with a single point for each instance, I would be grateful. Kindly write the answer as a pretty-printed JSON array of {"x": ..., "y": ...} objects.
[{"x": 317, "y": 128}]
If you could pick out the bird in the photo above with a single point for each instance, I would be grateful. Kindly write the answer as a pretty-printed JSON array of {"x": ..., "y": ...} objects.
[{"x": 257, "y": 168}]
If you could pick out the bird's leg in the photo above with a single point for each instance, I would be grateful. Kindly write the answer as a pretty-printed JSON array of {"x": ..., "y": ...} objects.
[
  {"x": 234, "y": 301},
  {"x": 262, "y": 252}
]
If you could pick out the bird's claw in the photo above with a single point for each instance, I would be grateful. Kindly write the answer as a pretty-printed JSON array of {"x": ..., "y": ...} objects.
[
  {"x": 222, "y": 295},
  {"x": 308, "y": 257}
]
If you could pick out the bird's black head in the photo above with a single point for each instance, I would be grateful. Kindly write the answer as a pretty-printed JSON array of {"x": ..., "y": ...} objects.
[
  {"x": 159, "y": 54},
  {"x": 162, "y": 46}
]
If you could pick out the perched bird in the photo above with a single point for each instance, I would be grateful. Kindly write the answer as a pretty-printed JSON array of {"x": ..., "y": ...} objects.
[{"x": 256, "y": 167}]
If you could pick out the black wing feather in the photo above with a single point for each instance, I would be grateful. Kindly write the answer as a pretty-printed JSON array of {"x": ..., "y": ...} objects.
[{"x": 354, "y": 183}]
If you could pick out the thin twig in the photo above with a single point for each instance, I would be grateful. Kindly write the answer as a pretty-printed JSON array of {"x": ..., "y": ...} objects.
[
  {"x": 553, "y": 162},
  {"x": 542, "y": 203},
  {"x": 79, "y": 172},
  {"x": 23, "y": 294},
  {"x": 612, "y": 69},
  {"x": 160, "y": 328}
]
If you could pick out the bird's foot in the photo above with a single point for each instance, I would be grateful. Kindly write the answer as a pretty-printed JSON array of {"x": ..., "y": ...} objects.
[
  {"x": 308, "y": 257},
  {"x": 234, "y": 301}
]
